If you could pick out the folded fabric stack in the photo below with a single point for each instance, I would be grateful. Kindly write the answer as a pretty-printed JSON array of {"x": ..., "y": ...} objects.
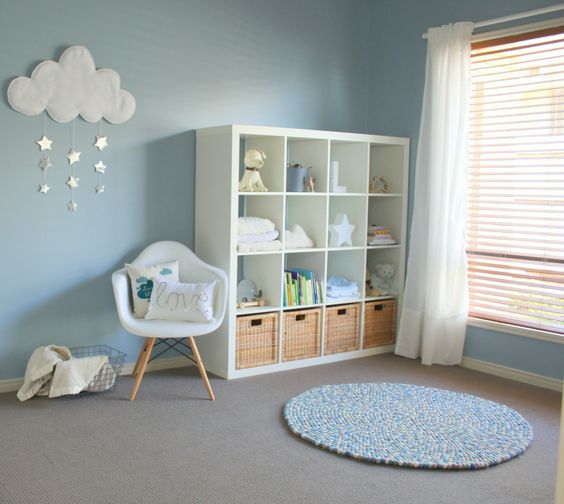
[
  {"x": 340, "y": 287},
  {"x": 380, "y": 235},
  {"x": 256, "y": 234}
]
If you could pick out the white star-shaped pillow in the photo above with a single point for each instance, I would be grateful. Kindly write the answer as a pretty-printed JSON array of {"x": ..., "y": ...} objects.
[{"x": 341, "y": 231}]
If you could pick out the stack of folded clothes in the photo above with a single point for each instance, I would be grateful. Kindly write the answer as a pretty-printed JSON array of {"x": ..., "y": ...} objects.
[
  {"x": 340, "y": 287},
  {"x": 256, "y": 234},
  {"x": 380, "y": 235}
]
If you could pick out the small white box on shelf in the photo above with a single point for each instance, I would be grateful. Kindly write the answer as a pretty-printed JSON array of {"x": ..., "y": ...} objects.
[{"x": 335, "y": 187}]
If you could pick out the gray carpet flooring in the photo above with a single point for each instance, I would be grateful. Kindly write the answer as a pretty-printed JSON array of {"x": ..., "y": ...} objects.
[{"x": 172, "y": 445}]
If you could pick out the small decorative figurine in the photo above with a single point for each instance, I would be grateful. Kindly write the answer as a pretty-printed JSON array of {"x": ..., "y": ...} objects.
[
  {"x": 378, "y": 185},
  {"x": 248, "y": 295},
  {"x": 251, "y": 181},
  {"x": 310, "y": 181}
]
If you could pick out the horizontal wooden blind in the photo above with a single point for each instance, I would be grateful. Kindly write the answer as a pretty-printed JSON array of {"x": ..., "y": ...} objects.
[{"x": 515, "y": 234}]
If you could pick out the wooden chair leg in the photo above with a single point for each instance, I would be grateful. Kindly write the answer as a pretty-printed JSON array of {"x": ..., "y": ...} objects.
[
  {"x": 136, "y": 368},
  {"x": 143, "y": 359},
  {"x": 201, "y": 367}
]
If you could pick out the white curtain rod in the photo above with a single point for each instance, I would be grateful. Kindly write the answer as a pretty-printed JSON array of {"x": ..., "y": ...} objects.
[{"x": 513, "y": 17}]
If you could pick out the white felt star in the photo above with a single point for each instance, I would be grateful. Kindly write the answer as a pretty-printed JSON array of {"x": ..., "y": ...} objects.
[
  {"x": 73, "y": 156},
  {"x": 44, "y": 188},
  {"x": 101, "y": 142},
  {"x": 72, "y": 182},
  {"x": 44, "y": 143},
  {"x": 99, "y": 188},
  {"x": 72, "y": 206},
  {"x": 341, "y": 231},
  {"x": 44, "y": 163},
  {"x": 100, "y": 167}
]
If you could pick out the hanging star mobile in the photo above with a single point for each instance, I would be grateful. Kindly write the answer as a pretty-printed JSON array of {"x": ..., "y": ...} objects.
[
  {"x": 44, "y": 143},
  {"x": 73, "y": 156},
  {"x": 100, "y": 143},
  {"x": 64, "y": 90},
  {"x": 44, "y": 163}
]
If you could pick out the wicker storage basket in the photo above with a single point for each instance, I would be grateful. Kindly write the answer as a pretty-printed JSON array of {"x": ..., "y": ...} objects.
[
  {"x": 341, "y": 328},
  {"x": 257, "y": 340},
  {"x": 302, "y": 334},
  {"x": 380, "y": 323}
]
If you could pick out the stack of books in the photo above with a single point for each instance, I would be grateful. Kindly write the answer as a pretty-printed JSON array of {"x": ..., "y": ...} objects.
[
  {"x": 380, "y": 235},
  {"x": 301, "y": 288}
]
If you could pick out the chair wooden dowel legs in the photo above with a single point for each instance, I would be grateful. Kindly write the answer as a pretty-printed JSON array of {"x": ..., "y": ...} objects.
[
  {"x": 141, "y": 353},
  {"x": 141, "y": 365},
  {"x": 201, "y": 367}
]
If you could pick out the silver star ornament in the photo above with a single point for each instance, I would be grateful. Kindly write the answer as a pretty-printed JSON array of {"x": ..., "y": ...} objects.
[
  {"x": 44, "y": 143},
  {"x": 44, "y": 163},
  {"x": 43, "y": 188},
  {"x": 73, "y": 156},
  {"x": 72, "y": 206},
  {"x": 100, "y": 167},
  {"x": 72, "y": 182},
  {"x": 99, "y": 188},
  {"x": 101, "y": 142}
]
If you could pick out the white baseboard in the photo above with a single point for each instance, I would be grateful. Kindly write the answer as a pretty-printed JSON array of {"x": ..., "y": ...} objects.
[
  {"x": 512, "y": 374},
  {"x": 14, "y": 384},
  {"x": 11, "y": 385}
]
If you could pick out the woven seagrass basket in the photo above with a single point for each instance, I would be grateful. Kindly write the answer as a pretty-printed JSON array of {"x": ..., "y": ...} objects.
[
  {"x": 342, "y": 328},
  {"x": 302, "y": 334},
  {"x": 257, "y": 340}
]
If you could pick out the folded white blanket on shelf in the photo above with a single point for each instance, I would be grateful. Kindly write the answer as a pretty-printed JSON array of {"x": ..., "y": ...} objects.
[
  {"x": 254, "y": 225},
  {"x": 259, "y": 246},
  {"x": 340, "y": 287},
  {"x": 258, "y": 237}
]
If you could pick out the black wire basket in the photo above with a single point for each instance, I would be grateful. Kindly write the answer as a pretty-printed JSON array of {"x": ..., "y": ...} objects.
[{"x": 106, "y": 379}]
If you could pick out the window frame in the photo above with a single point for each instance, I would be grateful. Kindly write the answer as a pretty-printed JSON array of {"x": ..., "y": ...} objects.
[{"x": 492, "y": 325}]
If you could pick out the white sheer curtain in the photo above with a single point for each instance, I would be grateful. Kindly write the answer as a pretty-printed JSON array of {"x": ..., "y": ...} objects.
[{"x": 433, "y": 318}]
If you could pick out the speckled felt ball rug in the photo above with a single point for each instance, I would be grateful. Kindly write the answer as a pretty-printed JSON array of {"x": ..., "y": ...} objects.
[{"x": 409, "y": 425}]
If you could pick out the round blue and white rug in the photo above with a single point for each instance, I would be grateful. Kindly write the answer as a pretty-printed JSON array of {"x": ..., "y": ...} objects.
[{"x": 409, "y": 425}]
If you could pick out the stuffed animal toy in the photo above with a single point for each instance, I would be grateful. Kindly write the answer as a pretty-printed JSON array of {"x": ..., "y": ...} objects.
[
  {"x": 381, "y": 280},
  {"x": 251, "y": 181}
]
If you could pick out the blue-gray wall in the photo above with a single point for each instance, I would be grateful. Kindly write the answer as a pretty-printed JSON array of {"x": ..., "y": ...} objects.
[
  {"x": 349, "y": 65},
  {"x": 397, "y": 74},
  {"x": 189, "y": 64}
]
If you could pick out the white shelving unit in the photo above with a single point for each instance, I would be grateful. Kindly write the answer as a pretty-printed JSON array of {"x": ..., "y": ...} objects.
[{"x": 219, "y": 154}]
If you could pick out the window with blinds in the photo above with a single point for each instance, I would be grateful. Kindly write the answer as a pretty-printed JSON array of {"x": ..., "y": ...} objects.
[{"x": 515, "y": 228}]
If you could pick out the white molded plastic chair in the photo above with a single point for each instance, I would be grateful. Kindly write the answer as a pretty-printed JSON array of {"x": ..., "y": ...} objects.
[{"x": 191, "y": 269}]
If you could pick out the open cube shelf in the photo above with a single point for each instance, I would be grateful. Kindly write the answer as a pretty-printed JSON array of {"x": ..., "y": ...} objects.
[{"x": 342, "y": 165}]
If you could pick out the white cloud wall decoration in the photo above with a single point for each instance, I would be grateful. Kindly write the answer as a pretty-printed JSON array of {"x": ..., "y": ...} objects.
[{"x": 70, "y": 88}]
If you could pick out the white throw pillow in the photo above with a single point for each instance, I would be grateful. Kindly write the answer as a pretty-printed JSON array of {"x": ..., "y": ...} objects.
[
  {"x": 191, "y": 302},
  {"x": 142, "y": 279}
]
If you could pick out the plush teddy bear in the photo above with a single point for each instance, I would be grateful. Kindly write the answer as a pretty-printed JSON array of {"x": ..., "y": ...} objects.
[{"x": 381, "y": 280}]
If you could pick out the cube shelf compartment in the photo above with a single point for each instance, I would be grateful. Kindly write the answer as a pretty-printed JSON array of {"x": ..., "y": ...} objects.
[
  {"x": 275, "y": 337},
  {"x": 379, "y": 323}
]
